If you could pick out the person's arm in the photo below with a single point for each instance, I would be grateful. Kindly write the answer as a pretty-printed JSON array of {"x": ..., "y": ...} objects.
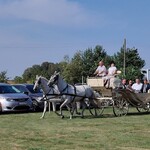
[
  {"x": 115, "y": 71},
  {"x": 96, "y": 71}
]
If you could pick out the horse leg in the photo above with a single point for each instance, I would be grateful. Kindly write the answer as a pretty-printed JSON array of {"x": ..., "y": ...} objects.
[
  {"x": 61, "y": 106},
  {"x": 92, "y": 103},
  {"x": 49, "y": 106},
  {"x": 44, "y": 111},
  {"x": 54, "y": 106},
  {"x": 68, "y": 107},
  {"x": 78, "y": 105},
  {"x": 83, "y": 108},
  {"x": 74, "y": 107}
]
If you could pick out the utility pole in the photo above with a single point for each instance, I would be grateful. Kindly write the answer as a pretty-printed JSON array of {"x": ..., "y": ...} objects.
[{"x": 124, "y": 60}]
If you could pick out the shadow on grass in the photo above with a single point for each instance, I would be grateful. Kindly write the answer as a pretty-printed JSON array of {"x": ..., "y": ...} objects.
[
  {"x": 105, "y": 115},
  {"x": 138, "y": 113}
]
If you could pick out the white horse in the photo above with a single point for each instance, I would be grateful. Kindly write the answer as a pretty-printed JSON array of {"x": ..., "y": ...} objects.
[
  {"x": 48, "y": 93},
  {"x": 72, "y": 94}
]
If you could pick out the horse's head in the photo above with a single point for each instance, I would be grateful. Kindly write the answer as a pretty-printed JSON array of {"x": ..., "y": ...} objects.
[
  {"x": 37, "y": 83},
  {"x": 53, "y": 79}
]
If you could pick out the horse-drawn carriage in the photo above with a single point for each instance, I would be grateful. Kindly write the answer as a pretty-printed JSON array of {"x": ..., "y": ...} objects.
[
  {"x": 94, "y": 95},
  {"x": 115, "y": 96}
]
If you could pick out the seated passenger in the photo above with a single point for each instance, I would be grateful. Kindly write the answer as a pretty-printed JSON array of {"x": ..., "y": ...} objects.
[
  {"x": 145, "y": 87},
  {"x": 101, "y": 70},
  {"x": 129, "y": 85},
  {"x": 124, "y": 83},
  {"x": 112, "y": 70},
  {"x": 137, "y": 86}
]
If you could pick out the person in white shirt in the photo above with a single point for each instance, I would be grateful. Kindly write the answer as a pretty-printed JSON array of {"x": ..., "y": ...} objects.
[
  {"x": 101, "y": 70},
  {"x": 112, "y": 70},
  {"x": 137, "y": 86}
]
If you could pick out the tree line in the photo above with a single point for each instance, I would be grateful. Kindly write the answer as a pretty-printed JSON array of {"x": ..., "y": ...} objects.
[{"x": 83, "y": 64}]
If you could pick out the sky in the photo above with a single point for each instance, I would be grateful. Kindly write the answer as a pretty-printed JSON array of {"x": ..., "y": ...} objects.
[{"x": 36, "y": 31}]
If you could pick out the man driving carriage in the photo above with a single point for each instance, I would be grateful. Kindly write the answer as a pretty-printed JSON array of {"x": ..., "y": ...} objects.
[{"x": 101, "y": 70}]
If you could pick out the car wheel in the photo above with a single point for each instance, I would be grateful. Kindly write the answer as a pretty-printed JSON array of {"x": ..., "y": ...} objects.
[{"x": 35, "y": 105}]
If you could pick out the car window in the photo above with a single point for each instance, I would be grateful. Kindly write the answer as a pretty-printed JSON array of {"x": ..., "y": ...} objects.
[
  {"x": 22, "y": 89},
  {"x": 30, "y": 88},
  {"x": 8, "y": 89}
]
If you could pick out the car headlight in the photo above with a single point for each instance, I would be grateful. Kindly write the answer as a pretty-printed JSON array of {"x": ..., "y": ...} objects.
[{"x": 9, "y": 99}]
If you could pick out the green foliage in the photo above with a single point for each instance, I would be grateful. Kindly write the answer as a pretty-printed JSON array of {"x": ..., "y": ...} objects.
[
  {"x": 63, "y": 64},
  {"x": 3, "y": 76},
  {"x": 73, "y": 70},
  {"x": 46, "y": 69},
  {"x": 84, "y": 63},
  {"x": 90, "y": 58},
  {"x": 18, "y": 79},
  {"x": 133, "y": 63}
]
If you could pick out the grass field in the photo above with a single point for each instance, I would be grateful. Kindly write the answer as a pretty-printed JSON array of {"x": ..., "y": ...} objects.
[{"x": 25, "y": 131}]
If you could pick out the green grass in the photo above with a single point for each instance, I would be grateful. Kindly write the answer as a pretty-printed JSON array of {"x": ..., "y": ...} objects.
[{"x": 27, "y": 131}]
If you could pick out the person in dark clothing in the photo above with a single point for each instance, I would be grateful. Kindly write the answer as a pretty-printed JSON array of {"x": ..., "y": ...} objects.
[
  {"x": 124, "y": 83},
  {"x": 146, "y": 86},
  {"x": 129, "y": 85}
]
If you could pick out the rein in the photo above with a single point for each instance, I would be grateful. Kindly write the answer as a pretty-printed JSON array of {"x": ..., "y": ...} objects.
[
  {"x": 61, "y": 94},
  {"x": 64, "y": 89},
  {"x": 66, "y": 93}
]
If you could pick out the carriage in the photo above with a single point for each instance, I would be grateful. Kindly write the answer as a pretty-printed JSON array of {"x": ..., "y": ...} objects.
[
  {"x": 93, "y": 94},
  {"x": 117, "y": 97}
]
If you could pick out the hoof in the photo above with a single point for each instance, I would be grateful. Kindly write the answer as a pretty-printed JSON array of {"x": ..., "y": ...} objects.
[{"x": 62, "y": 117}]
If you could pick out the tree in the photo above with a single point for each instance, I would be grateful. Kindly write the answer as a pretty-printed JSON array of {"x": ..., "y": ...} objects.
[
  {"x": 18, "y": 79},
  {"x": 3, "y": 76},
  {"x": 46, "y": 69},
  {"x": 83, "y": 64},
  {"x": 73, "y": 71},
  {"x": 133, "y": 64},
  {"x": 27, "y": 75},
  {"x": 91, "y": 57},
  {"x": 62, "y": 65}
]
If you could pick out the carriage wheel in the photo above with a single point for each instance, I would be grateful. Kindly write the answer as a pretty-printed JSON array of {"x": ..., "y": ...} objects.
[
  {"x": 96, "y": 110},
  {"x": 144, "y": 109},
  {"x": 120, "y": 107}
]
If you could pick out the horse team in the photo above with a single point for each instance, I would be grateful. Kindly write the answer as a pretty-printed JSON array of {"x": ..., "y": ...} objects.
[{"x": 69, "y": 94}]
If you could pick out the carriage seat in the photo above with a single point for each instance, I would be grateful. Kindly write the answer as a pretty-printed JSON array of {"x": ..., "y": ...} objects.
[{"x": 97, "y": 83}]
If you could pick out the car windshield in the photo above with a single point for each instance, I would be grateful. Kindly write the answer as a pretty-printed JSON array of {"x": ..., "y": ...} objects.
[
  {"x": 21, "y": 88},
  {"x": 8, "y": 89},
  {"x": 30, "y": 88}
]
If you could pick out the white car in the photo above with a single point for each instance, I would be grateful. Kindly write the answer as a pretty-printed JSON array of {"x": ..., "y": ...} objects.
[{"x": 12, "y": 100}]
